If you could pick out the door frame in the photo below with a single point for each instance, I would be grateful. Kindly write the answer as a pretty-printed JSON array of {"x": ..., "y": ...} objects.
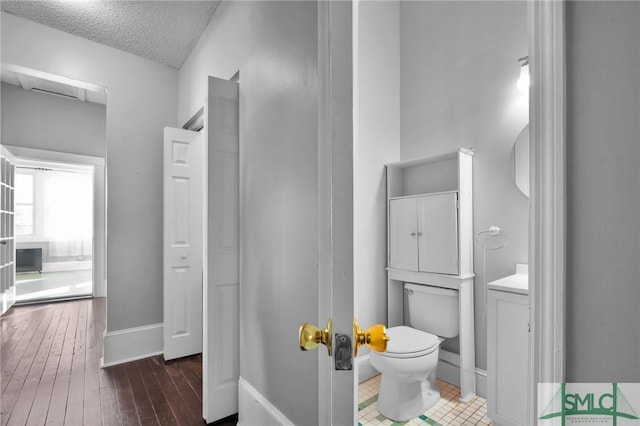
[
  {"x": 547, "y": 200},
  {"x": 547, "y": 223},
  {"x": 99, "y": 203}
]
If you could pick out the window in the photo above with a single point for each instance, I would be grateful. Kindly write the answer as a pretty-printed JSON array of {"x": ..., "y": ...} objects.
[{"x": 24, "y": 213}]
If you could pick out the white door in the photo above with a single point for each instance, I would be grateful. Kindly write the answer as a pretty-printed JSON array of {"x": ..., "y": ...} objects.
[
  {"x": 296, "y": 210},
  {"x": 337, "y": 389},
  {"x": 221, "y": 274},
  {"x": 403, "y": 234},
  {"x": 438, "y": 233},
  {"x": 182, "y": 243},
  {"x": 7, "y": 239}
]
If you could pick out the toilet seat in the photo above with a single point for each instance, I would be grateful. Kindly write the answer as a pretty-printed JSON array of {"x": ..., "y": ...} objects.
[{"x": 407, "y": 342}]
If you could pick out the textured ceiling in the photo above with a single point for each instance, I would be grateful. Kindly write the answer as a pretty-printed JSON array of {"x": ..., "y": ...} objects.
[{"x": 162, "y": 31}]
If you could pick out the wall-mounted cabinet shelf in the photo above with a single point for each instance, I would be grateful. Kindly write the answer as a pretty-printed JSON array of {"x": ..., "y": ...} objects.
[
  {"x": 430, "y": 240},
  {"x": 442, "y": 220}
]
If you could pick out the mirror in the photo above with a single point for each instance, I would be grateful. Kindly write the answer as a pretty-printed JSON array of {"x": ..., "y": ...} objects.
[{"x": 520, "y": 161}]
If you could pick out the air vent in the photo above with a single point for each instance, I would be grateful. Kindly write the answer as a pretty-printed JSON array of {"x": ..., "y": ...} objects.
[
  {"x": 50, "y": 92},
  {"x": 53, "y": 85}
]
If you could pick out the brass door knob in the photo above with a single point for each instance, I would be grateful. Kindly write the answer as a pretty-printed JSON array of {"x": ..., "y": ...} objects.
[
  {"x": 311, "y": 336},
  {"x": 375, "y": 337}
]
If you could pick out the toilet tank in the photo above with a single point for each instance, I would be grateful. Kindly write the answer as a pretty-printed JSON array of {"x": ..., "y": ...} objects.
[{"x": 432, "y": 309}]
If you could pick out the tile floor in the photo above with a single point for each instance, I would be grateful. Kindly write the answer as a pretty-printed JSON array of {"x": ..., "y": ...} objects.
[{"x": 448, "y": 412}]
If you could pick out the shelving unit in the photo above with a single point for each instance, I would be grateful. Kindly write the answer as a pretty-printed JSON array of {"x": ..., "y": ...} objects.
[
  {"x": 430, "y": 241},
  {"x": 7, "y": 234}
]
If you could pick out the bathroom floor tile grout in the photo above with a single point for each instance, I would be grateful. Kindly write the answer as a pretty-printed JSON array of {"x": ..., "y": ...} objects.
[{"x": 448, "y": 411}]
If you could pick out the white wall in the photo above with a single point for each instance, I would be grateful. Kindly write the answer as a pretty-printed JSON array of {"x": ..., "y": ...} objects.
[
  {"x": 142, "y": 99},
  {"x": 603, "y": 191},
  {"x": 458, "y": 89},
  {"x": 41, "y": 121},
  {"x": 223, "y": 47},
  {"x": 376, "y": 142},
  {"x": 274, "y": 46}
]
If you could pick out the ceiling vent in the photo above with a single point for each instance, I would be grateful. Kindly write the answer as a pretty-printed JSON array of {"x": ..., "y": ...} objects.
[{"x": 53, "y": 85}]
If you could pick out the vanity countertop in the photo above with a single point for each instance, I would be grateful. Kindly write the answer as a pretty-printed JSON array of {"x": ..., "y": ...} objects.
[{"x": 516, "y": 283}]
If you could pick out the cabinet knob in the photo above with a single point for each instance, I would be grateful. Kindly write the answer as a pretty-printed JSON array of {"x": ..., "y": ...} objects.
[{"x": 413, "y": 234}]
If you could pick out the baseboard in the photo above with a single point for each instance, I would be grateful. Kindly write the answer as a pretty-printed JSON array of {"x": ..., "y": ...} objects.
[
  {"x": 255, "y": 410},
  {"x": 365, "y": 369},
  {"x": 131, "y": 344},
  {"x": 450, "y": 373}
]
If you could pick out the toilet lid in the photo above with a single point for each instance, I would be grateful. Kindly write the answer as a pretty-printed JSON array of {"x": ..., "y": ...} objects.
[{"x": 409, "y": 342}]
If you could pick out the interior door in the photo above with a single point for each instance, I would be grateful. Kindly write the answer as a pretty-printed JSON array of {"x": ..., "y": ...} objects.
[
  {"x": 182, "y": 243},
  {"x": 438, "y": 233},
  {"x": 337, "y": 389},
  {"x": 296, "y": 210},
  {"x": 221, "y": 272},
  {"x": 7, "y": 238}
]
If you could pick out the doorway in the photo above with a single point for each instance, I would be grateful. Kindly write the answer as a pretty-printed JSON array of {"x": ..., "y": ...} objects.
[
  {"x": 54, "y": 231},
  {"x": 464, "y": 100}
]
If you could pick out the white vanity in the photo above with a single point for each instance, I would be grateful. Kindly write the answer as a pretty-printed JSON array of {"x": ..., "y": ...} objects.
[
  {"x": 430, "y": 242},
  {"x": 508, "y": 354}
]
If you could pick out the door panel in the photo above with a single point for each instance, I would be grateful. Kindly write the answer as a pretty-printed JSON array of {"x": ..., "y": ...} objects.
[
  {"x": 403, "y": 240},
  {"x": 7, "y": 234},
  {"x": 438, "y": 233},
  {"x": 221, "y": 293},
  {"x": 182, "y": 246}
]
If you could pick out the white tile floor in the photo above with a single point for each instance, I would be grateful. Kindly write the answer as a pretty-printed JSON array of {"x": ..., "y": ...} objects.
[{"x": 448, "y": 411}]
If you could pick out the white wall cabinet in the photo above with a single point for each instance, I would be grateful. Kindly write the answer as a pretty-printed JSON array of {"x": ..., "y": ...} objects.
[
  {"x": 438, "y": 233},
  {"x": 430, "y": 241},
  {"x": 403, "y": 244},
  {"x": 424, "y": 233},
  {"x": 508, "y": 357}
]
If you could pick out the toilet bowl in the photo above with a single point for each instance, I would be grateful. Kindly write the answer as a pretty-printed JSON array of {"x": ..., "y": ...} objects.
[{"x": 408, "y": 384}]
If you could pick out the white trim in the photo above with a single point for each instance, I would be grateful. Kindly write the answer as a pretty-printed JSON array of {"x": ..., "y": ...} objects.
[
  {"x": 131, "y": 344},
  {"x": 20, "y": 70},
  {"x": 99, "y": 232},
  {"x": 547, "y": 202},
  {"x": 54, "y": 156},
  {"x": 99, "y": 203},
  {"x": 196, "y": 122},
  {"x": 255, "y": 409}
]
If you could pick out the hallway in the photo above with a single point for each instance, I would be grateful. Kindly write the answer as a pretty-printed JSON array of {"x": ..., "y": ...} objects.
[{"x": 51, "y": 373}]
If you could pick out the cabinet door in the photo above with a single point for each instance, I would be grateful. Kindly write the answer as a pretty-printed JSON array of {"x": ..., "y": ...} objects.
[
  {"x": 438, "y": 233},
  {"x": 403, "y": 244},
  {"x": 508, "y": 355}
]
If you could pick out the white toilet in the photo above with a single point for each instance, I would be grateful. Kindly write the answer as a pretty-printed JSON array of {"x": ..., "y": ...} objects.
[{"x": 408, "y": 384}]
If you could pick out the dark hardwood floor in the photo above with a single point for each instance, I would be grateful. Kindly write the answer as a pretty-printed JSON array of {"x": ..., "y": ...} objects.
[{"x": 50, "y": 374}]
